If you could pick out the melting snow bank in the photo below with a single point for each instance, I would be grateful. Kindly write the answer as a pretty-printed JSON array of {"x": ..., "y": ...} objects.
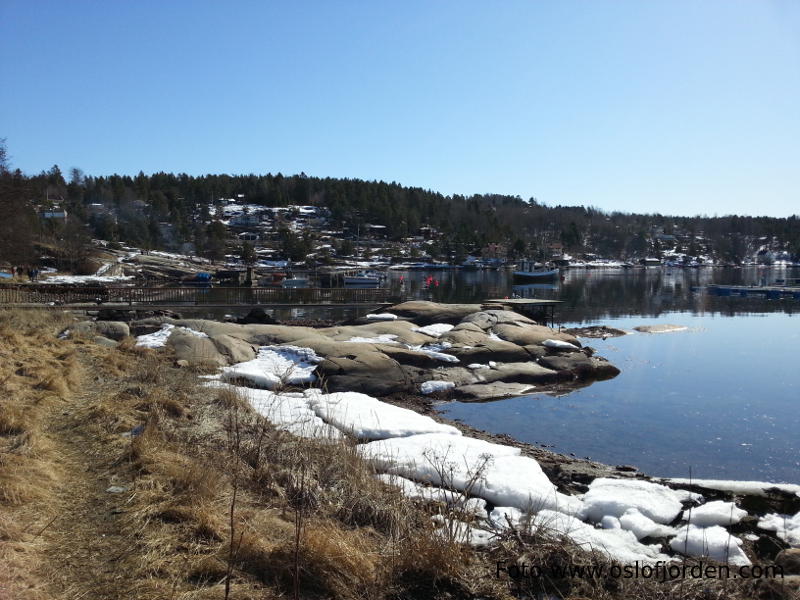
[
  {"x": 786, "y": 527},
  {"x": 456, "y": 500},
  {"x": 713, "y": 542},
  {"x": 159, "y": 338},
  {"x": 615, "y": 497},
  {"x": 313, "y": 414},
  {"x": 434, "y": 462},
  {"x": 275, "y": 366},
  {"x": 749, "y": 488},
  {"x": 715, "y": 513},
  {"x": 287, "y": 412},
  {"x": 365, "y": 417},
  {"x": 617, "y": 544},
  {"x": 493, "y": 472}
]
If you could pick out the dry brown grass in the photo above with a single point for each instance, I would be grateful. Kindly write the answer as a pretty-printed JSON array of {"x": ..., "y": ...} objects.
[
  {"x": 37, "y": 375},
  {"x": 78, "y": 417}
]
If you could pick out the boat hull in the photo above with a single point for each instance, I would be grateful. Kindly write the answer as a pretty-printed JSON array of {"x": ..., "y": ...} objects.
[{"x": 543, "y": 275}]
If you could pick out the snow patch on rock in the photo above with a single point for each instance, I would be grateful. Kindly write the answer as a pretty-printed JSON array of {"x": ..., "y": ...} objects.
[
  {"x": 158, "y": 339},
  {"x": 274, "y": 366},
  {"x": 435, "y": 330},
  {"x": 559, "y": 345},
  {"x": 429, "y": 387},
  {"x": 385, "y": 338},
  {"x": 381, "y": 317}
]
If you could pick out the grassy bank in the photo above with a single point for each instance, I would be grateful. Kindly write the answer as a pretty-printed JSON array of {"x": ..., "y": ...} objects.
[{"x": 122, "y": 477}]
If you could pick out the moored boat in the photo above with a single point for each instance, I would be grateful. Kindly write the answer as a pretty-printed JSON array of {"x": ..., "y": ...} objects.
[
  {"x": 530, "y": 269},
  {"x": 363, "y": 278}
]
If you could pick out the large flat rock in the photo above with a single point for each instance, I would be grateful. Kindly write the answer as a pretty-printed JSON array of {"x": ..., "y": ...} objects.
[
  {"x": 423, "y": 312},
  {"x": 487, "y": 319},
  {"x": 196, "y": 350},
  {"x": 386, "y": 357},
  {"x": 525, "y": 334},
  {"x": 524, "y": 372},
  {"x": 366, "y": 371},
  {"x": 490, "y": 350},
  {"x": 478, "y": 392},
  {"x": 114, "y": 330},
  {"x": 235, "y": 350}
]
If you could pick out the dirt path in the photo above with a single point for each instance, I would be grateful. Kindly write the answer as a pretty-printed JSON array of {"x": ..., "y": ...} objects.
[{"x": 85, "y": 545}]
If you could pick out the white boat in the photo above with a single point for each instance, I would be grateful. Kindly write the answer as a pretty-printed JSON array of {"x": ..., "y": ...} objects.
[
  {"x": 295, "y": 282},
  {"x": 364, "y": 278},
  {"x": 530, "y": 269}
]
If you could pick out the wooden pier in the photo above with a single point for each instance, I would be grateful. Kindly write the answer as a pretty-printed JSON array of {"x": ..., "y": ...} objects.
[
  {"x": 175, "y": 297},
  {"x": 543, "y": 311},
  {"x": 770, "y": 292}
]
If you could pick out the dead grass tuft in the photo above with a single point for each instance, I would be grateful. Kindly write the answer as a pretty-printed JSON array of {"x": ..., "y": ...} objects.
[
  {"x": 203, "y": 521},
  {"x": 334, "y": 562},
  {"x": 14, "y": 419},
  {"x": 229, "y": 399}
]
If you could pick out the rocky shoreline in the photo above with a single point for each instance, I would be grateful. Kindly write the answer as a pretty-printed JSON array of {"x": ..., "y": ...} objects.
[
  {"x": 572, "y": 475},
  {"x": 469, "y": 353},
  {"x": 475, "y": 354}
]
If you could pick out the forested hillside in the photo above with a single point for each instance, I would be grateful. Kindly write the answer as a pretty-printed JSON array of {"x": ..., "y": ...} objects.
[{"x": 132, "y": 209}]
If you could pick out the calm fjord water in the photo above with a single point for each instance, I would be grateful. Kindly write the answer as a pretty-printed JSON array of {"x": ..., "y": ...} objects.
[{"x": 722, "y": 398}]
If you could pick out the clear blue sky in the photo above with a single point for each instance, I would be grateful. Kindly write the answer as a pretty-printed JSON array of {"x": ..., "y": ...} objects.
[{"x": 679, "y": 107}]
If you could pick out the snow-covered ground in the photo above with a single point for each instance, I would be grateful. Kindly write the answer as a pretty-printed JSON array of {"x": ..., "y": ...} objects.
[
  {"x": 365, "y": 417},
  {"x": 85, "y": 279}
]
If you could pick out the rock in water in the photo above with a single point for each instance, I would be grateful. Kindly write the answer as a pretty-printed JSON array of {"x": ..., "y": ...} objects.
[{"x": 660, "y": 328}]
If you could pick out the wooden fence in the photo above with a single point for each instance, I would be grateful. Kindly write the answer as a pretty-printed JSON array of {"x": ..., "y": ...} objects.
[{"x": 137, "y": 296}]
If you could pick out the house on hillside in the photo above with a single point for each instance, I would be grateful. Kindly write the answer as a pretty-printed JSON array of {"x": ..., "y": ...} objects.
[
  {"x": 666, "y": 238},
  {"x": 55, "y": 213},
  {"x": 494, "y": 251}
]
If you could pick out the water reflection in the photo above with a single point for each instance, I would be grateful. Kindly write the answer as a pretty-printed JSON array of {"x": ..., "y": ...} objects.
[
  {"x": 719, "y": 399},
  {"x": 590, "y": 295}
]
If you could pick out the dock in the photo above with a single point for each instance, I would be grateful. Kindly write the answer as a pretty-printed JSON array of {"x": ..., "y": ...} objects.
[
  {"x": 81, "y": 297},
  {"x": 542, "y": 311},
  {"x": 770, "y": 292}
]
